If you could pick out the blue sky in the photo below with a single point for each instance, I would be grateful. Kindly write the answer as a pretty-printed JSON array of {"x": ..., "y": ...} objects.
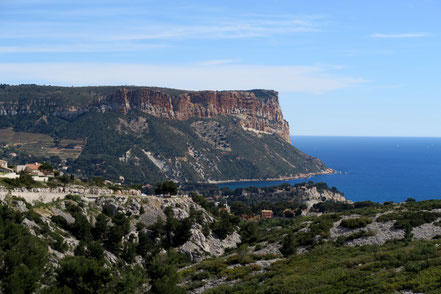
[{"x": 353, "y": 68}]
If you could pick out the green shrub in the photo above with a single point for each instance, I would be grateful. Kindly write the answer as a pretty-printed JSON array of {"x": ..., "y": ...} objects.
[
  {"x": 388, "y": 217},
  {"x": 58, "y": 243},
  {"x": 416, "y": 266},
  {"x": 194, "y": 285},
  {"x": 82, "y": 275},
  {"x": 355, "y": 223},
  {"x": 213, "y": 266},
  {"x": 240, "y": 258},
  {"x": 167, "y": 187},
  {"x": 289, "y": 244},
  {"x": 249, "y": 232},
  {"x": 225, "y": 226},
  {"x": 240, "y": 272},
  {"x": 202, "y": 275},
  {"x": 163, "y": 273},
  {"x": 424, "y": 205},
  {"x": 73, "y": 197},
  {"x": 23, "y": 255}
]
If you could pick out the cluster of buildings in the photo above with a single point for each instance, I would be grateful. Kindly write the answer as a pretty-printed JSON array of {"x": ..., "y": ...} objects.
[
  {"x": 266, "y": 213},
  {"x": 32, "y": 169}
]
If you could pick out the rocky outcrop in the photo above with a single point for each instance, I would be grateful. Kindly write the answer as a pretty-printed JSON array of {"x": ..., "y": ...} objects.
[
  {"x": 426, "y": 231},
  {"x": 200, "y": 245},
  {"x": 142, "y": 211},
  {"x": 256, "y": 113},
  {"x": 378, "y": 233},
  {"x": 312, "y": 195}
]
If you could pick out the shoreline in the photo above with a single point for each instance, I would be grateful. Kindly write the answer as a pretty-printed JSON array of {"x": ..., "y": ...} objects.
[{"x": 328, "y": 171}]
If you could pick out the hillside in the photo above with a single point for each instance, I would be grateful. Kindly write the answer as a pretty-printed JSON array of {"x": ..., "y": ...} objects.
[
  {"x": 375, "y": 248},
  {"x": 110, "y": 242},
  {"x": 142, "y": 135},
  {"x": 71, "y": 237}
]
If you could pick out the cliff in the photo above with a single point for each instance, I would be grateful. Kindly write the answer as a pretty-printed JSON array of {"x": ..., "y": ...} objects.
[{"x": 261, "y": 115}]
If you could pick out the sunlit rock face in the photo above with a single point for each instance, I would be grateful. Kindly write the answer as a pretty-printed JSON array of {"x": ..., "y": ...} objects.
[{"x": 256, "y": 113}]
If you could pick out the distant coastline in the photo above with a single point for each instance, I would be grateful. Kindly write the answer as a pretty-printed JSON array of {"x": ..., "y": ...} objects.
[{"x": 328, "y": 171}]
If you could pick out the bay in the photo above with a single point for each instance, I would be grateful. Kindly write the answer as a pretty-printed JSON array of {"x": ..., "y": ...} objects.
[{"x": 373, "y": 168}]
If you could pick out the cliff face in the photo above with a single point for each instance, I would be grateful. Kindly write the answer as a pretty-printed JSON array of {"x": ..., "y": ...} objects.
[
  {"x": 260, "y": 114},
  {"x": 42, "y": 107},
  {"x": 256, "y": 114}
]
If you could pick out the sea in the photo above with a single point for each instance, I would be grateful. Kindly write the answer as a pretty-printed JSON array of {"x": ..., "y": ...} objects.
[{"x": 378, "y": 169}]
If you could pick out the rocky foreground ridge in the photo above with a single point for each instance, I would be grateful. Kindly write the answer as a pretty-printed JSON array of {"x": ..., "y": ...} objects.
[
  {"x": 393, "y": 247},
  {"x": 181, "y": 244},
  {"x": 126, "y": 231},
  {"x": 143, "y": 212}
]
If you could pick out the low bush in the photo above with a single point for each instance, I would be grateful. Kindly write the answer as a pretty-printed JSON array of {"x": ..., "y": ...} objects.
[
  {"x": 240, "y": 272},
  {"x": 240, "y": 259},
  {"x": 202, "y": 275},
  {"x": 73, "y": 197},
  {"x": 355, "y": 223},
  {"x": 214, "y": 266}
]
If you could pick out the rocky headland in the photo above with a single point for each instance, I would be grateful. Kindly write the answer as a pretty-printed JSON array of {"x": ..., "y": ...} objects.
[{"x": 147, "y": 134}]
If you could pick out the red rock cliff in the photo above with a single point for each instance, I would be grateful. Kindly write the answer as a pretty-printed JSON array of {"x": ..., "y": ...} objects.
[{"x": 261, "y": 113}]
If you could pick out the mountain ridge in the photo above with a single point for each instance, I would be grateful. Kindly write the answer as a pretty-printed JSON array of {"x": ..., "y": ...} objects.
[
  {"x": 138, "y": 134},
  {"x": 260, "y": 112}
]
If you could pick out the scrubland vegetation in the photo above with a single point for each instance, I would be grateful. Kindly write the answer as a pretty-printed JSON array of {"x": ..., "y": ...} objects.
[{"x": 106, "y": 251}]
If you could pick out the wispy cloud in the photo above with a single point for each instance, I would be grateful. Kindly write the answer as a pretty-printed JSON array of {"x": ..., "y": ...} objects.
[
  {"x": 216, "y": 28},
  {"x": 219, "y": 62},
  {"x": 233, "y": 30},
  {"x": 50, "y": 26},
  {"x": 79, "y": 48},
  {"x": 147, "y": 21},
  {"x": 399, "y": 36},
  {"x": 130, "y": 36},
  {"x": 306, "y": 79}
]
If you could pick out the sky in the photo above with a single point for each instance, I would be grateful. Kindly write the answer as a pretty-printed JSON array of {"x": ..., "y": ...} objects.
[{"x": 342, "y": 68}]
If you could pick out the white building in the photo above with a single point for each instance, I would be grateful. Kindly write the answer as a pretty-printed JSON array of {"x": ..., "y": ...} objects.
[
  {"x": 3, "y": 163},
  {"x": 4, "y": 167},
  {"x": 19, "y": 168}
]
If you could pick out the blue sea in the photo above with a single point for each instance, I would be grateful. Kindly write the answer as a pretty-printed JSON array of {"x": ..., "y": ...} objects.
[{"x": 374, "y": 168}]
